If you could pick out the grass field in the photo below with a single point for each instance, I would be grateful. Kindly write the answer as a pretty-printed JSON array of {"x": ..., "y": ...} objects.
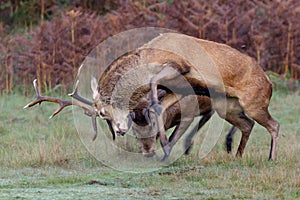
[{"x": 45, "y": 159}]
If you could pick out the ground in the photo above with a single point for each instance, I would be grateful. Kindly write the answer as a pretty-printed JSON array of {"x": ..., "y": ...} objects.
[{"x": 45, "y": 159}]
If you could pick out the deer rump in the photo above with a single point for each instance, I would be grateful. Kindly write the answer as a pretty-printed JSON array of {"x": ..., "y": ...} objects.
[{"x": 246, "y": 87}]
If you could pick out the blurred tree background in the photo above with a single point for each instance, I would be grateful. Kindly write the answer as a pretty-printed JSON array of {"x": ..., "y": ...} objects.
[{"x": 48, "y": 39}]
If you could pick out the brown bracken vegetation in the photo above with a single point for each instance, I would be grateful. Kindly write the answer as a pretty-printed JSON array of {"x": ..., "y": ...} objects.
[{"x": 53, "y": 50}]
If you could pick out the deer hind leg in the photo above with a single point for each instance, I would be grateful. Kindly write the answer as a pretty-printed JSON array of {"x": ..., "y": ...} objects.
[
  {"x": 264, "y": 118},
  {"x": 245, "y": 124},
  {"x": 235, "y": 115},
  {"x": 229, "y": 139},
  {"x": 256, "y": 107}
]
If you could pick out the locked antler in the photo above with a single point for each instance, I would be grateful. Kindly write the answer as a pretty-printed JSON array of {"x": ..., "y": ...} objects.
[
  {"x": 94, "y": 114},
  {"x": 62, "y": 103},
  {"x": 83, "y": 103}
]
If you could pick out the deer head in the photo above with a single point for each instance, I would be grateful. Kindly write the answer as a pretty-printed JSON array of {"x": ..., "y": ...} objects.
[{"x": 120, "y": 119}]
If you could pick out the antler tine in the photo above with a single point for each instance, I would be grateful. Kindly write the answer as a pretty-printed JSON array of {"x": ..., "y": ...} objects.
[
  {"x": 37, "y": 92},
  {"x": 36, "y": 88},
  {"x": 39, "y": 99},
  {"x": 111, "y": 129},
  {"x": 94, "y": 123},
  {"x": 75, "y": 95},
  {"x": 62, "y": 104},
  {"x": 75, "y": 89},
  {"x": 83, "y": 103},
  {"x": 93, "y": 115}
]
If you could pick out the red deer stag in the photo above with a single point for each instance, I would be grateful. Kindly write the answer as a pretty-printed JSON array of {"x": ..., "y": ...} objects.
[{"x": 245, "y": 84}]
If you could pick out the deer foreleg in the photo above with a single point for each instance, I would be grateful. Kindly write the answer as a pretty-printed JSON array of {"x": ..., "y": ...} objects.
[
  {"x": 188, "y": 140},
  {"x": 155, "y": 109},
  {"x": 157, "y": 121},
  {"x": 167, "y": 73},
  {"x": 176, "y": 134}
]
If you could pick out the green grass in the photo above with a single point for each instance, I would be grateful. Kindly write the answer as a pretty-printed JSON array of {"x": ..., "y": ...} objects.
[{"x": 45, "y": 159}]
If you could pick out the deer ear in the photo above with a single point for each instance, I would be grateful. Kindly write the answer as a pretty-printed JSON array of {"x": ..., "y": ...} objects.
[{"x": 94, "y": 87}]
